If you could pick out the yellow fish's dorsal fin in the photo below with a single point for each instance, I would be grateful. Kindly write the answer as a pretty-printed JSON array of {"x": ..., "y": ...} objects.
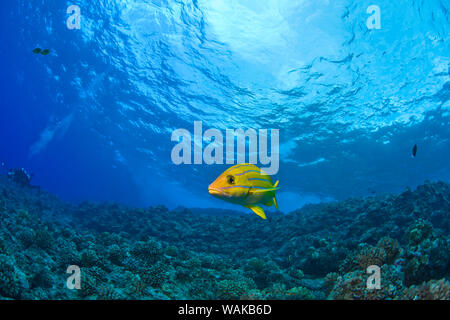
[
  {"x": 275, "y": 201},
  {"x": 256, "y": 209}
]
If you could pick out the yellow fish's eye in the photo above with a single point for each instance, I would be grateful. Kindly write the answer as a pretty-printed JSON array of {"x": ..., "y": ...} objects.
[{"x": 230, "y": 179}]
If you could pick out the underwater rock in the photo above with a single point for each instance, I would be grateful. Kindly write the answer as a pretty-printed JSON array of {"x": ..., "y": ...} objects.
[
  {"x": 391, "y": 249},
  {"x": 426, "y": 255},
  {"x": 353, "y": 286},
  {"x": 320, "y": 251},
  {"x": 431, "y": 290},
  {"x": 12, "y": 282},
  {"x": 235, "y": 288},
  {"x": 156, "y": 275}
]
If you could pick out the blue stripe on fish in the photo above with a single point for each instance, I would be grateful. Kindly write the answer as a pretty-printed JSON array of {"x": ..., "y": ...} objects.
[
  {"x": 259, "y": 179},
  {"x": 244, "y": 187},
  {"x": 240, "y": 174}
]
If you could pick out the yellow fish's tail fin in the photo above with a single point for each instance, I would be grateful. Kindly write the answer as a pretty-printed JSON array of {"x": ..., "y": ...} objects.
[
  {"x": 258, "y": 210},
  {"x": 275, "y": 199}
]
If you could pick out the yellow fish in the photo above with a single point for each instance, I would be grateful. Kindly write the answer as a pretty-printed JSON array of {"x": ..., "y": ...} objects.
[{"x": 247, "y": 185}]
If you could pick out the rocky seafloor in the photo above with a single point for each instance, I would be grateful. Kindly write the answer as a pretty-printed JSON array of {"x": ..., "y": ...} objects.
[{"x": 318, "y": 252}]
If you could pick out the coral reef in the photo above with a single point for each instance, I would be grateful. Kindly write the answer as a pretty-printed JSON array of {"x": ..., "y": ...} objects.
[
  {"x": 318, "y": 252},
  {"x": 431, "y": 290}
]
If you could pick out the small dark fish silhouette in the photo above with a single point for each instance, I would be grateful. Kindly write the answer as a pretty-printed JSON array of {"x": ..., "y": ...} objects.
[
  {"x": 414, "y": 150},
  {"x": 43, "y": 52}
]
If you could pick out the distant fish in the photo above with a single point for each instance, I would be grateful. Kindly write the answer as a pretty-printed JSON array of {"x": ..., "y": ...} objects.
[
  {"x": 414, "y": 151},
  {"x": 247, "y": 185},
  {"x": 43, "y": 52}
]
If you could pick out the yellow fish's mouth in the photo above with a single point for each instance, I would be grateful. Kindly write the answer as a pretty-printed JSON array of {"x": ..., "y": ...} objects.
[{"x": 217, "y": 192}]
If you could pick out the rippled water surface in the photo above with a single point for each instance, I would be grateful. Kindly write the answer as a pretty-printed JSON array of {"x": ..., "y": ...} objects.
[{"x": 93, "y": 119}]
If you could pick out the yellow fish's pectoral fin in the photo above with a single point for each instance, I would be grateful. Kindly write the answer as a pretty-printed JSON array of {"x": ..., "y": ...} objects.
[
  {"x": 258, "y": 210},
  {"x": 263, "y": 190},
  {"x": 266, "y": 189}
]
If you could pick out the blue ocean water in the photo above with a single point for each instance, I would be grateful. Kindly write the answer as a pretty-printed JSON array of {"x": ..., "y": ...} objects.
[{"x": 93, "y": 119}]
